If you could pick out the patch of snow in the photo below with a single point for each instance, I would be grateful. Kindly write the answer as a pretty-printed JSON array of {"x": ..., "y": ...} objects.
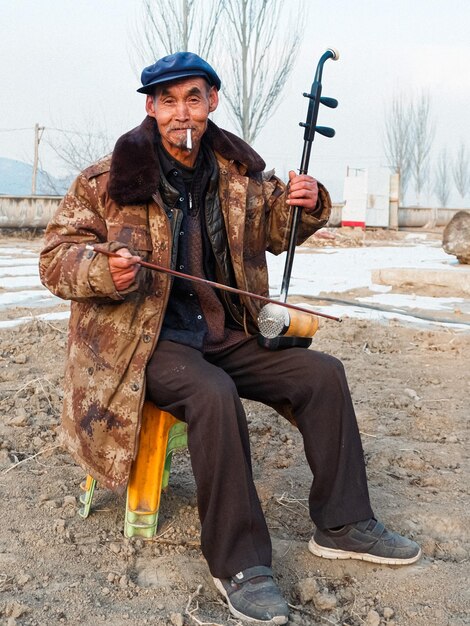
[
  {"x": 32, "y": 297},
  {"x": 412, "y": 301},
  {"x": 59, "y": 315},
  {"x": 8, "y": 261},
  {"x": 342, "y": 269},
  {"x": 6, "y": 251},
  {"x": 344, "y": 312},
  {"x": 20, "y": 282},
  {"x": 19, "y": 270}
]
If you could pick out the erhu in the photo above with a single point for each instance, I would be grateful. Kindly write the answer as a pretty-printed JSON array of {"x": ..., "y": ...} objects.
[{"x": 280, "y": 328}]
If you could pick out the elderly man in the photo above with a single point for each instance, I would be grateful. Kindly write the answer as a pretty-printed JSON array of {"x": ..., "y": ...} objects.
[{"x": 183, "y": 193}]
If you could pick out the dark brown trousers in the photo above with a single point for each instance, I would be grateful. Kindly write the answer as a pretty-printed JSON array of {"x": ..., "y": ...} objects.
[{"x": 204, "y": 390}]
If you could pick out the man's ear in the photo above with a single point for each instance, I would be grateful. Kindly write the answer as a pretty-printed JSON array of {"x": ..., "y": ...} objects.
[
  {"x": 150, "y": 106},
  {"x": 213, "y": 99}
]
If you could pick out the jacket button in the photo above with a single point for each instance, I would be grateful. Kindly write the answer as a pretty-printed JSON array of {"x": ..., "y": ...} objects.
[
  {"x": 90, "y": 370},
  {"x": 146, "y": 338},
  {"x": 135, "y": 386}
]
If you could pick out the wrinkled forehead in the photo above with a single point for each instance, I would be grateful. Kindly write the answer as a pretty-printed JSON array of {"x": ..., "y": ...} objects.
[{"x": 183, "y": 86}]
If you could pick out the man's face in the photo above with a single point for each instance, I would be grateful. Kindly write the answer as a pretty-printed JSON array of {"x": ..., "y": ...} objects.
[{"x": 178, "y": 106}]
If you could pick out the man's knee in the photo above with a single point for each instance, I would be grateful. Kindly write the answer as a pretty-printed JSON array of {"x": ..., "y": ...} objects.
[
  {"x": 313, "y": 366},
  {"x": 217, "y": 387}
]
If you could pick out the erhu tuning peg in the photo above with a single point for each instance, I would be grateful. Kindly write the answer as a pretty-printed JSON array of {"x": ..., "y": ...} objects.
[
  {"x": 329, "y": 102},
  {"x": 325, "y": 131}
]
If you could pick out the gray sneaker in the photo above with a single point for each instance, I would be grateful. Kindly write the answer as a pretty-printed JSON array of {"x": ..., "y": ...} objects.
[
  {"x": 253, "y": 596},
  {"x": 368, "y": 540}
]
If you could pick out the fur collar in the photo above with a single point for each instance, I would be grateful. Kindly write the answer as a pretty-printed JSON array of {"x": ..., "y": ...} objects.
[{"x": 134, "y": 174}]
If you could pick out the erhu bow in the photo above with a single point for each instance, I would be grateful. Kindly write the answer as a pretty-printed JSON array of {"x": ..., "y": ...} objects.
[
  {"x": 211, "y": 283},
  {"x": 278, "y": 328}
]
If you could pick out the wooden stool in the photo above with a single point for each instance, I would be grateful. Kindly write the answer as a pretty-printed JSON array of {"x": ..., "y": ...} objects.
[{"x": 160, "y": 435}]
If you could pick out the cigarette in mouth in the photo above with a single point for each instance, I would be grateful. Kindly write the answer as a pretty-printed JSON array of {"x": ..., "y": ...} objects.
[{"x": 189, "y": 141}]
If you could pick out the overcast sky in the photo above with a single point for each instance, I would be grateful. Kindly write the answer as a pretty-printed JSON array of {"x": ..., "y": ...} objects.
[{"x": 64, "y": 62}]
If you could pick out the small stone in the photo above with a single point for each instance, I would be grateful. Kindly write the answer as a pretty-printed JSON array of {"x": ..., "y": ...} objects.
[
  {"x": 22, "y": 579},
  {"x": 325, "y": 601},
  {"x": 412, "y": 394},
  {"x": 59, "y": 526},
  {"x": 307, "y": 589},
  {"x": 177, "y": 619},
  {"x": 123, "y": 581},
  {"x": 20, "y": 359},
  {"x": 20, "y": 419},
  {"x": 388, "y": 612},
  {"x": 4, "y": 458},
  {"x": 111, "y": 577},
  {"x": 105, "y": 591},
  {"x": 70, "y": 500},
  {"x": 15, "y": 610},
  {"x": 115, "y": 547},
  {"x": 373, "y": 618}
]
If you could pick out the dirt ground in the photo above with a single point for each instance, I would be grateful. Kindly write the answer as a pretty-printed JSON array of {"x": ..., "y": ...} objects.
[{"x": 410, "y": 389}]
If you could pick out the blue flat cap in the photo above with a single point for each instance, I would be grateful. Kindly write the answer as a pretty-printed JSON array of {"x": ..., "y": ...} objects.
[{"x": 175, "y": 66}]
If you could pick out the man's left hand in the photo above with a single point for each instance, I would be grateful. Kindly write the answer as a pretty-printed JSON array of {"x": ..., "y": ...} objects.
[{"x": 303, "y": 191}]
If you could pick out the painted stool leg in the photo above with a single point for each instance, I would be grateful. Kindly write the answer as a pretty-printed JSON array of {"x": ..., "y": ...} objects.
[
  {"x": 145, "y": 483},
  {"x": 177, "y": 440},
  {"x": 88, "y": 487}
]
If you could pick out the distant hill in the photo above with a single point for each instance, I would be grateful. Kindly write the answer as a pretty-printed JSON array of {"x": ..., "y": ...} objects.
[{"x": 15, "y": 180}]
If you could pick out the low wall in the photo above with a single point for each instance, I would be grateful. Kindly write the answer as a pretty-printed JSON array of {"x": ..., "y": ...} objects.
[
  {"x": 408, "y": 217},
  {"x": 416, "y": 217},
  {"x": 27, "y": 211},
  {"x": 36, "y": 211}
]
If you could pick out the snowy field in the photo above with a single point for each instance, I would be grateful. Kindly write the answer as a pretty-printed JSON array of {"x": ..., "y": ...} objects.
[
  {"x": 335, "y": 270},
  {"x": 316, "y": 271}
]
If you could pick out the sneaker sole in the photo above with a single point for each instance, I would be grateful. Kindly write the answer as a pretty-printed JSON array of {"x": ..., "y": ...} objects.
[
  {"x": 331, "y": 553},
  {"x": 278, "y": 619}
]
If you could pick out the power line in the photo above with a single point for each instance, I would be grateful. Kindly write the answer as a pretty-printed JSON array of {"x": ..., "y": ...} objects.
[
  {"x": 59, "y": 130},
  {"x": 13, "y": 130}
]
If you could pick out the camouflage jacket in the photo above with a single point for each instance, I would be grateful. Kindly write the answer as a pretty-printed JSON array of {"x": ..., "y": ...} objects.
[{"x": 112, "y": 335}]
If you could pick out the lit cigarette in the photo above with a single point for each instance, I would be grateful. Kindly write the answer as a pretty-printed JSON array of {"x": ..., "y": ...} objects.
[{"x": 189, "y": 141}]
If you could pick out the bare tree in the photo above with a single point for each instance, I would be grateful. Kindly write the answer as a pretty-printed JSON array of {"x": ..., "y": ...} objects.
[
  {"x": 442, "y": 178},
  {"x": 461, "y": 171},
  {"x": 397, "y": 140},
  {"x": 260, "y": 61},
  {"x": 422, "y": 138},
  {"x": 168, "y": 26},
  {"x": 78, "y": 148}
]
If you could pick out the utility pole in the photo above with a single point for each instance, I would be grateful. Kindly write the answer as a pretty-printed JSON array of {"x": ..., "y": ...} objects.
[{"x": 38, "y": 130}]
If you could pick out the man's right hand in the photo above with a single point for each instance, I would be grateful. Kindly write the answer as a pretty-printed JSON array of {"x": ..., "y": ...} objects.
[{"x": 123, "y": 268}]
